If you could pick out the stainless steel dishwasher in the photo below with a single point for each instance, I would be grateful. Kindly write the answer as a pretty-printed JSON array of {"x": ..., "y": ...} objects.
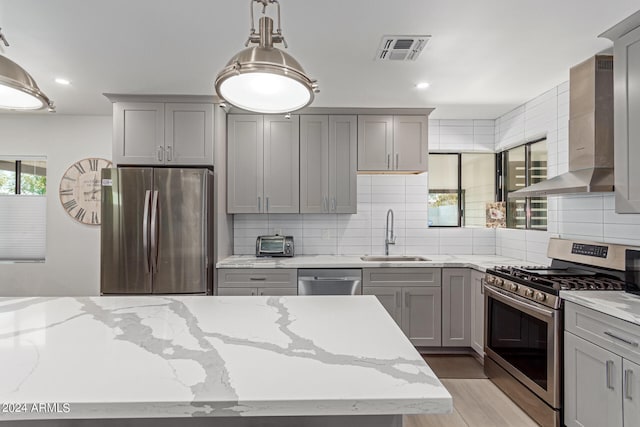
[{"x": 329, "y": 281}]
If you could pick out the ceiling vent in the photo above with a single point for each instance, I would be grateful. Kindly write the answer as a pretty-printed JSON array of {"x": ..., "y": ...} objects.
[{"x": 401, "y": 48}]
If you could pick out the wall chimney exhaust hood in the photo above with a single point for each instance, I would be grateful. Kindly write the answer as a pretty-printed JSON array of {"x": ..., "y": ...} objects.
[{"x": 590, "y": 133}]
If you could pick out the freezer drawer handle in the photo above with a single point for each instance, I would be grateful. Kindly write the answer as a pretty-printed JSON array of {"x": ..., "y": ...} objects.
[
  {"x": 154, "y": 231},
  {"x": 145, "y": 229}
]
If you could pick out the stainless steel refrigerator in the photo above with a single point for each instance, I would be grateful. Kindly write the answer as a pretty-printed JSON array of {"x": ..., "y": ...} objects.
[{"x": 157, "y": 231}]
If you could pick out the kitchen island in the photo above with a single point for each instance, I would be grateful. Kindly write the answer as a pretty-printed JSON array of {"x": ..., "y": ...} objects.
[{"x": 320, "y": 360}]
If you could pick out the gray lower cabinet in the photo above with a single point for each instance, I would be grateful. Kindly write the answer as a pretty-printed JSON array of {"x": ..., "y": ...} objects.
[
  {"x": 263, "y": 164},
  {"x": 157, "y": 133},
  {"x": 412, "y": 296},
  {"x": 626, "y": 68},
  {"x": 456, "y": 307},
  {"x": 328, "y": 164},
  {"x": 477, "y": 312},
  {"x": 601, "y": 369},
  {"x": 392, "y": 143},
  {"x": 255, "y": 281}
]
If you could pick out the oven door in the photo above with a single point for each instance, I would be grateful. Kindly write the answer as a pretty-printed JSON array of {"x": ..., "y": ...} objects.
[{"x": 524, "y": 338}]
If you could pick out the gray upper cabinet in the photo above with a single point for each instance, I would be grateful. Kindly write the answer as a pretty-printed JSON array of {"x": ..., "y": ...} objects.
[
  {"x": 392, "y": 143},
  {"x": 456, "y": 307},
  {"x": 328, "y": 158},
  {"x": 263, "y": 164},
  {"x": 626, "y": 69},
  {"x": 153, "y": 133}
]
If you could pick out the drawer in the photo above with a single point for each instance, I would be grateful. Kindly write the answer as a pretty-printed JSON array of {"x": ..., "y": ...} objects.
[
  {"x": 616, "y": 335},
  {"x": 257, "y": 277},
  {"x": 412, "y": 276}
]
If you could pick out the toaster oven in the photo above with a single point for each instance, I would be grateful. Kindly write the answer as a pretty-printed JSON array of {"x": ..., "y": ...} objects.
[{"x": 276, "y": 246}]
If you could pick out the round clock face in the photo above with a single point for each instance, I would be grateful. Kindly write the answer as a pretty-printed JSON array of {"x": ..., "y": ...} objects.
[{"x": 80, "y": 190}]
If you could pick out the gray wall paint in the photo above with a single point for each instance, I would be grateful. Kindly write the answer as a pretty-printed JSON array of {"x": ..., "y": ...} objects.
[{"x": 73, "y": 249}]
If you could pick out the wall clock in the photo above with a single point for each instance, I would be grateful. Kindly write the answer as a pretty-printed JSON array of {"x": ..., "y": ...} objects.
[{"x": 80, "y": 190}]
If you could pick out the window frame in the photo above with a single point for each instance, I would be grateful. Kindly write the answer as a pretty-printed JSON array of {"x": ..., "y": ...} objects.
[{"x": 458, "y": 191}]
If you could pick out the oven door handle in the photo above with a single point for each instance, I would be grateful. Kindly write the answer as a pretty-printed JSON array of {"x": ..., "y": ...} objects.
[{"x": 521, "y": 303}]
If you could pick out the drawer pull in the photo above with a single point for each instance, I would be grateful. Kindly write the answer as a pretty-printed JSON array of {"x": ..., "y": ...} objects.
[
  {"x": 624, "y": 340},
  {"x": 608, "y": 367},
  {"x": 628, "y": 381},
  {"x": 257, "y": 278}
]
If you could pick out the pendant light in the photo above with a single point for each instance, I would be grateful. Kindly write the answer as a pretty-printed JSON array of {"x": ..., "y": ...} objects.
[
  {"x": 18, "y": 90},
  {"x": 264, "y": 78}
]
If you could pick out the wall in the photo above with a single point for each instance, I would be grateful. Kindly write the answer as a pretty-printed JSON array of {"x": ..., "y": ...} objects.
[
  {"x": 73, "y": 249},
  {"x": 363, "y": 233},
  {"x": 585, "y": 217}
]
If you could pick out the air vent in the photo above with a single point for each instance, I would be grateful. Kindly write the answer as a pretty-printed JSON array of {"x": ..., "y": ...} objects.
[{"x": 401, "y": 48}]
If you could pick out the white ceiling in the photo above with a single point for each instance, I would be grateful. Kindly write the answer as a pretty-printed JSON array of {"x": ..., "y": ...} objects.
[{"x": 484, "y": 57}]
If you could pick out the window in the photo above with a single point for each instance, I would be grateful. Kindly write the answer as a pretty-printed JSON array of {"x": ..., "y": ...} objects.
[
  {"x": 460, "y": 186},
  {"x": 523, "y": 166},
  {"x": 23, "y": 186}
]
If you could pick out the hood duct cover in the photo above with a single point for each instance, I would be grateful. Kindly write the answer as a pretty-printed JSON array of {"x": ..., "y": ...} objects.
[{"x": 590, "y": 133}]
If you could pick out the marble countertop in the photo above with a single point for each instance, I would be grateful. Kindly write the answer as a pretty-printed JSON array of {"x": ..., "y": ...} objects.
[
  {"x": 618, "y": 304},
  {"x": 189, "y": 356},
  {"x": 478, "y": 262}
]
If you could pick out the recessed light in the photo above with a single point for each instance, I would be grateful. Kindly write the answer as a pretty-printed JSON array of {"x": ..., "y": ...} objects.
[
  {"x": 62, "y": 81},
  {"x": 422, "y": 85}
]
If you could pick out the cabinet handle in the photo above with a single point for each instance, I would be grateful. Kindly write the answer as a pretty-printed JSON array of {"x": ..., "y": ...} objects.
[
  {"x": 628, "y": 381},
  {"x": 160, "y": 153},
  {"x": 259, "y": 204},
  {"x": 398, "y": 299},
  {"x": 388, "y": 161},
  {"x": 333, "y": 204},
  {"x": 608, "y": 367},
  {"x": 253, "y": 293},
  {"x": 257, "y": 278},
  {"x": 267, "y": 204},
  {"x": 407, "y": 299},
  {"x": 482, "y": 286},
  {"x": 626, "y": 341},
  {"x": 261, "y": 293},
  {"x": 397, "y": 160},
  {"x": 325, "y": 204},
  {"x": 169, "y": 153}
]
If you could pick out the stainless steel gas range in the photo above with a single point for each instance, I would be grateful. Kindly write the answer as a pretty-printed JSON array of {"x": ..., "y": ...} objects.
[{"x": 524, "y": 321}]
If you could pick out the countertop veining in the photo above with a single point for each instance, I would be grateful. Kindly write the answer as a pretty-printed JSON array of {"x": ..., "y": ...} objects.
[{"x": 190, "y": 356}]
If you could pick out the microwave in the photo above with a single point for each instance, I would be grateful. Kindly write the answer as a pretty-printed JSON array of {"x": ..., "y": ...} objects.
[
  {"x": 280, "y": 246},
  {"x": 632, "y": 272}
]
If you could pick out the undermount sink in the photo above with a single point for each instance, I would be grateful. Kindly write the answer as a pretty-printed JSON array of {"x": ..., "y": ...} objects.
[{"x": 391, "y": 258}]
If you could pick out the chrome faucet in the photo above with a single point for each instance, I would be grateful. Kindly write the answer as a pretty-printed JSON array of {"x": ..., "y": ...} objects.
[{"x": 389, "y": 238}]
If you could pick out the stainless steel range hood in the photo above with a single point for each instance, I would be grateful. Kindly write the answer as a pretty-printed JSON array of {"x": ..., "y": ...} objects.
[{"x": 590, "y": 133}]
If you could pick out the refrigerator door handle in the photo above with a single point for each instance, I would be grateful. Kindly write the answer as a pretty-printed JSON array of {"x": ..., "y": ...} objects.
[
  {"x": 145, "y": 230},
  {"x": 154, "y": 231}
]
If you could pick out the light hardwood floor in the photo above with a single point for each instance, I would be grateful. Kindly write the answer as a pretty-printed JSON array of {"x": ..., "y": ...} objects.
[{"x": 476, "y": 403}]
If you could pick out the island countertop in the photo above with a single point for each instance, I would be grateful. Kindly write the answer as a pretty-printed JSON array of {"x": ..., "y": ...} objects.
[{"x": 197, "y": 356}]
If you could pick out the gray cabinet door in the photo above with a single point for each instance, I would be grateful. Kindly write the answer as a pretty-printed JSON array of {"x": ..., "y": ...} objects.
[
  {"x": 390, "y": 298},
  {"x": 410, "y": 143},
  {"x": 631, "y": 392},
  {"x": 593, "y": 386},
  {"x": 456, "y": 307},
  {"x": 477, "y": 312},
  {"x": 245, "y": 139},
  {"x": 188, "y": 134},
  {"x": 138, "y": 133},
  {"x": 627, "y": 122},
  {"x": 421, "y": 315},
  {"x": 314, "y": 164},
  {"x": 281, "y": 164},
  {"x": 277, "y": 292},
  {"x": 343, "y": 164},
  {"x": 375, "y": 143}
]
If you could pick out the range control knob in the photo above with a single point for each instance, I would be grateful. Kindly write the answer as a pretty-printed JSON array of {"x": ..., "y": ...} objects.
[
  {"x": 539, "y": 296},
  {"x": 528, "y": 293},
  {"x": 500, "y": 282},
  {"x": 490, "y": 279},
  {"x": 513, "y": 287}
]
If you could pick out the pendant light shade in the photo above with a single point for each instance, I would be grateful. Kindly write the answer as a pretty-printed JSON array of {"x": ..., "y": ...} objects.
[
  {"x": 18, "y": 90},
  {"x": 264, "y": 78}
]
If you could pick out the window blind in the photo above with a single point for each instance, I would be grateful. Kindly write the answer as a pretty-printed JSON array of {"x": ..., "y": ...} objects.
[{"x": 22, "y": 227}]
